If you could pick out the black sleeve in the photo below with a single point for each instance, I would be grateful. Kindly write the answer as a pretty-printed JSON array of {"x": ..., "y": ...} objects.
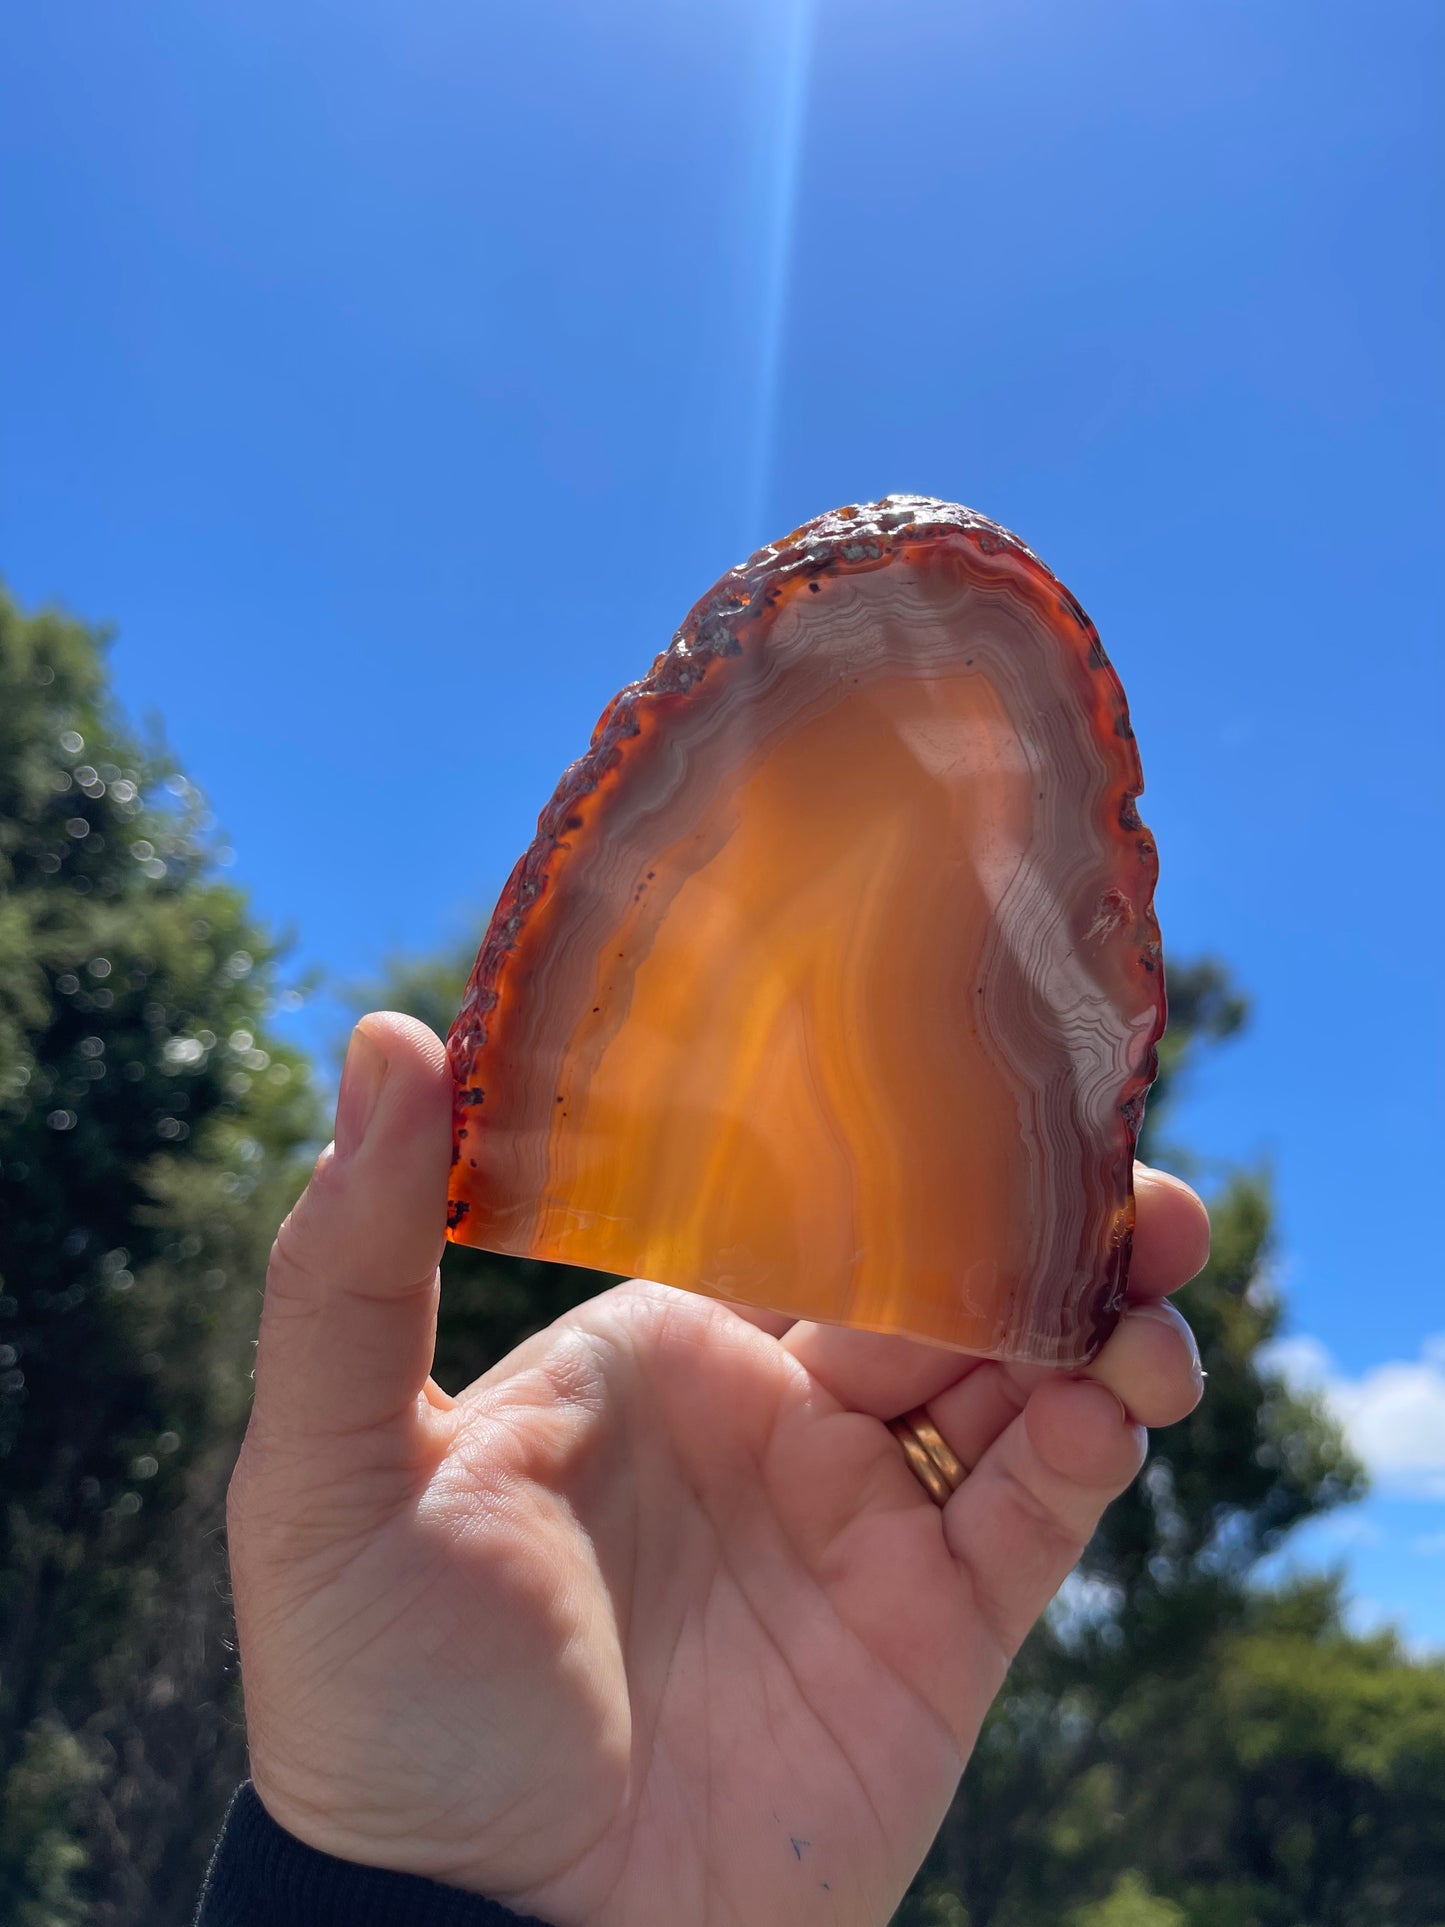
[{"x": 262, "y": 1876}]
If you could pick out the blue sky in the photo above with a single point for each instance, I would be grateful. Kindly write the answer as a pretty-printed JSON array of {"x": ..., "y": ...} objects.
[{"x": 395, "y": 377}]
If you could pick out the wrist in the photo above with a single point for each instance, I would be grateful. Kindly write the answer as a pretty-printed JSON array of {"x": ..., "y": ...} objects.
[{"x": 264, "y": 1875}]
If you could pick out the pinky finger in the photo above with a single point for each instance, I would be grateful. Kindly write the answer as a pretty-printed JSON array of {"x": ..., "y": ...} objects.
[{"x": 1020, "y": 1521}]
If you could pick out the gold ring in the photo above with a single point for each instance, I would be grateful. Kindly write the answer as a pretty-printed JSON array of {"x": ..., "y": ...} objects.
[{"x": 939, "y": 1469}]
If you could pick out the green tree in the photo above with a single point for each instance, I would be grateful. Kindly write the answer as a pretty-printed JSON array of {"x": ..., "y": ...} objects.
[
  {"x": 149, "y": 1131},
  {"x": 1332, "y": 1749},
  {"x": 1129, "y": 1903}
]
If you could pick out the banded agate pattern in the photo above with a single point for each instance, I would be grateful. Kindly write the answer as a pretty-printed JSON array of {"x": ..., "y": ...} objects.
[{"x": 831, "y": 982}]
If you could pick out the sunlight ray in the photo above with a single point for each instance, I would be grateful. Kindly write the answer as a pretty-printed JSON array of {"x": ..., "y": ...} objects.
[{"x": 778, "y": 155}]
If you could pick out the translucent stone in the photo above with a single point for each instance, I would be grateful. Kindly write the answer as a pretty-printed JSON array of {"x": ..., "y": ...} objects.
[{"x": 831, "y": 982}]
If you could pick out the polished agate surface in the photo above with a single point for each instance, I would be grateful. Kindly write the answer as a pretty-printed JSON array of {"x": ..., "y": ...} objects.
[{"x": 831, "y": 983}]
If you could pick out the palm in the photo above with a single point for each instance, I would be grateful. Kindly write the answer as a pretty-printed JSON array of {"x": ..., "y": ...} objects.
[
  {"x": 760, "y": 1606},
  {"x": 653, "y": 1624}
]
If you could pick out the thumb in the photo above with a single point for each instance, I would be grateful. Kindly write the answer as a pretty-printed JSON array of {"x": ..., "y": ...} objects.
[{"x": 349, "y": 1323}]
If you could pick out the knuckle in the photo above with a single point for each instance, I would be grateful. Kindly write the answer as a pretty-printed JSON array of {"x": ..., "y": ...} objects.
[
  {"x": 296, "y": 1251},
  {"x": 1048, "y": 1522},
  {"x": 240, "y": 1502}
]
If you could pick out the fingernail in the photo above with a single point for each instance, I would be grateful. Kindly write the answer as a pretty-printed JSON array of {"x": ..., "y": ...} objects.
[{"x": 362, "y": 1077}]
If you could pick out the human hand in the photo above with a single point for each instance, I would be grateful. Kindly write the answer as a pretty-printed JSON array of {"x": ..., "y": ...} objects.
[{"x": 652, "y": 1623}]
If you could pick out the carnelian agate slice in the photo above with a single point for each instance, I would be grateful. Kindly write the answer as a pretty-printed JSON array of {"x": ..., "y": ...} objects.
[{"x": 831, "y": 982}]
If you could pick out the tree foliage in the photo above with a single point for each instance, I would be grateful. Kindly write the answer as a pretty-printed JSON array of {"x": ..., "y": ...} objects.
[{"x": 149, "y": 1126}]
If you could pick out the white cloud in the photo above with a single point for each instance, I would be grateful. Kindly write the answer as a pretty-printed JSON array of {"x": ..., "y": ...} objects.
[{"x": 1393, "y": 1415}]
